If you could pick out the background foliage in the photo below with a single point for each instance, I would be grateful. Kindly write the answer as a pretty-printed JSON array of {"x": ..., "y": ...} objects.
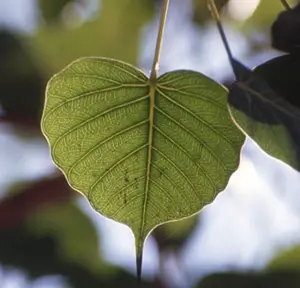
[{"x": 43, "y": 230}]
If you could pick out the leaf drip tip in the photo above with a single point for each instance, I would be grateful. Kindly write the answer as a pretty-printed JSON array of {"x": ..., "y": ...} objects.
[{"x": 139, "y": 262}]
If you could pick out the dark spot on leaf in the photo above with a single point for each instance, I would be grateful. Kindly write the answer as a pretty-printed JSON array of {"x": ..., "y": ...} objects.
[{"x": 126, "y": 178}]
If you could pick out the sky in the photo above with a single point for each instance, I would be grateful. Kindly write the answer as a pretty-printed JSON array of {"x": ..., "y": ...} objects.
[{"x": 243, "y": 228}]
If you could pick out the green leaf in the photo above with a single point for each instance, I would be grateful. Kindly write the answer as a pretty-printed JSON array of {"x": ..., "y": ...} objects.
[
  {"x": 264, "y": 14},
  {"x": 40, "y": 255},
  {"x": 271, "y": 121},
  {"x": 142, "y": 151},
  {"x": 115, "y": 32},
  {"x": 288, "y": 259},
  {"x": 51, "y": 10},
  {"x": 72, "y": 230},
  {"x": 200, "y": 12},
  {"x": 173, "y": 235}
]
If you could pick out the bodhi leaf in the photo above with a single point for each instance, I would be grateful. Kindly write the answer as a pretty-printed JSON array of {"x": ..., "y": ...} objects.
[
  {"x": 266, "y": 117},
  {"x": 283, "y": 75},
  {"x": 259, "y": 111},
  {"x": 142, "y": 151}
]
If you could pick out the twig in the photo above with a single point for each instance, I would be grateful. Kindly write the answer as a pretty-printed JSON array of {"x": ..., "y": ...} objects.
[
  {"x": 159, "y": 41},
  {"x": 215, "y": 15}
]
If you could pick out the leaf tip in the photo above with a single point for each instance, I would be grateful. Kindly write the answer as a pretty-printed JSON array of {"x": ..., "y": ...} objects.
[{"x": 139, "y": 260}]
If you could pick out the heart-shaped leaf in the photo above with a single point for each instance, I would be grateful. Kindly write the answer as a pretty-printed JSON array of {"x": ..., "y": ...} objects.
[
  {"x": 143, "y": 151},
  {"x": 266, "y": 117},
  {"x": 282, "y": 74}
]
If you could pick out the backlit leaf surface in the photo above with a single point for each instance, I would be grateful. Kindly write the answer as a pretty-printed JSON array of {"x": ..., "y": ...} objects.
[{"x": 143, "y": 152}]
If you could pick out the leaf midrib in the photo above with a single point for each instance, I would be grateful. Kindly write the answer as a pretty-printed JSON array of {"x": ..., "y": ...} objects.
[{"x": 152, "y": 86}]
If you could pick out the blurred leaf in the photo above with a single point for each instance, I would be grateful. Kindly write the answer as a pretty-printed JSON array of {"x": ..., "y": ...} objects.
[
  {"x": 173, "y": 235},
  {"x": 282, "y": 74},
  {"x": 286, "y": 260},
  {"x": 15, "y": 209},
  {"x": 286, "y": 30},
  {"x": 265, "y": 14},
  {"x": 58, "y": 239},
  {"x": 72, "y": 230},
  {"x": 115, "y": 33},
  {"x": 132, "y": 146},
  {"x": 201, "y": 12},
  {"x": 51, "y": 9},
  {"x": 21, "y": 81},
  {"x": 236, "y": 280},
  {"x": 271, "y": 121},
  {"x": 40, "y": 255}
]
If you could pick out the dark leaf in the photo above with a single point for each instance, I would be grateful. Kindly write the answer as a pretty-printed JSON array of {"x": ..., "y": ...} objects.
[
  {"x": 287, "y": 260},
  {"x": 15, "y": 209},
  {"x": 22, "y": 84},
  {"x": 286, "y": 30},
  {"x": 39, "y": 256},
  {"x": 267, "y": 118},
  {"x": 283, "y": 75}
]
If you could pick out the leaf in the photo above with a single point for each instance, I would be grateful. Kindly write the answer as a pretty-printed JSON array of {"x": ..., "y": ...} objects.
[
  {"x": 264, "y": 14},
  {"x": 200, "y": 12},
  {"x": 142, "y": 152},
  {"x": 173, "y": 235},
  {"x": 282, "y": 74},
  {"x": 285, "y": 30},
  {"x": 272, "y": 122},
  {"x": 16, "y": 208},
  {"x": 41, "y": 256},
  {"x": 22, "y": 81},
  {"x": 69, "y": 227},
  {"x": 125, "y": 20},
  {"x": 51, "y": 11},
  {"x": 287, "y": 260}
]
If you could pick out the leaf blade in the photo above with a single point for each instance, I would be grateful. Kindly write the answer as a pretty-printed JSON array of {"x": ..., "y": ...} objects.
[
  {"x": 266, "y": 117},
  {"x": 133, "y": 149}
]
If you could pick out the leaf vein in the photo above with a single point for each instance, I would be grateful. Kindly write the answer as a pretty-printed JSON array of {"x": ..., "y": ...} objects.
[
  {"x": 98, "y": 145},
  {"x": 91, "y": 119},
  {"x": 175, "y": 166},
  {"x": 79, "y": 97},
  {"x": 189, "y": 156},
  {"x": 218, "y": 133},
  {"x": 194, "y": 136},
  {"x": 115, "y": 165},
  {"x": 117, "y": 193},
  {"x": 193, "y": 95}
]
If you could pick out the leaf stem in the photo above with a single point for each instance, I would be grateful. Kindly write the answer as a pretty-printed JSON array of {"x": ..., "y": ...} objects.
[
  {"x": 286, "y": 5},
  {"x": 159, "y": 41},
  {"x": 215, "y": 15}
]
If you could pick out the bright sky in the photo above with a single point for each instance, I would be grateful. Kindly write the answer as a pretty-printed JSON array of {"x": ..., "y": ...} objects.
[{"x": 244, "y": 226}]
